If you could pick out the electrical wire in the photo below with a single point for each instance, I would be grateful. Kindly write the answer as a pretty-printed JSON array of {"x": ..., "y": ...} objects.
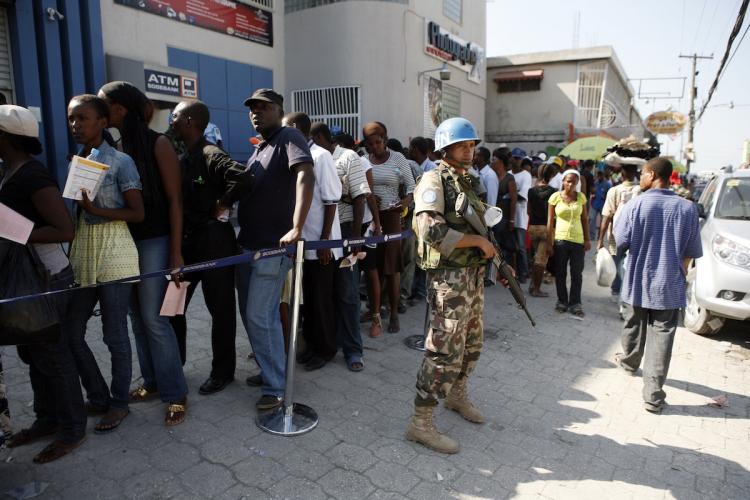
[{"x": 722, "y": 65}]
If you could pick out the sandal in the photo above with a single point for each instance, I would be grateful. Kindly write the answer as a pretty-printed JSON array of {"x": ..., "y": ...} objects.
[
  {"x": 355, "y": 364},
  {"x": 375, "y": 328},
  {"x": 111, "y": 420},
  {"x": 176, "y": 413},
  {"x": 142, "y": 393},
  {"x": 55, "y": 450},
  {"x": 26, "y": 436},
  {"x": 577, "y": 310}
]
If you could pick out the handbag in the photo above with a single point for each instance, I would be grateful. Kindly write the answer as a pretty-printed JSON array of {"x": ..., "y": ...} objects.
[{"x": 31, "y": 320}]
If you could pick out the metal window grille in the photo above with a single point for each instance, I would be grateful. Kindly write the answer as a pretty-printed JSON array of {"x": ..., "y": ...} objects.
[
  {"x": 6, "y": 66},
  {"x": 267, "y": 4},
  {"x": 591, "y": 80},
  {"x": 452, "y": 9},
  {"x": 336, "y": 106}
]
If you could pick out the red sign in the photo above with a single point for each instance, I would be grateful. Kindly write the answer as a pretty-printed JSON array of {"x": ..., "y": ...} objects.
[{"x": 224, "y": 16}]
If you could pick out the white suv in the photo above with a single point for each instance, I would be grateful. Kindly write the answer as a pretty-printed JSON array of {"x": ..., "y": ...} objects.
[{"x": 718, "y": 284}]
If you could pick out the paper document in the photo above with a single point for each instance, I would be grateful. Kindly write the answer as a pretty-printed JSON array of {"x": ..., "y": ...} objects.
[
  {"x": 84, "y": 174},
  {"x": 14, "y": 226},
  {"x": 174, "y": 300}
]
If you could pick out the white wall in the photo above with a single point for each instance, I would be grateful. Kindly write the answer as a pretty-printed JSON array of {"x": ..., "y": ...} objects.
[
  {"x": 142, "y": 36},
  {"x": 380, "y": 46}
]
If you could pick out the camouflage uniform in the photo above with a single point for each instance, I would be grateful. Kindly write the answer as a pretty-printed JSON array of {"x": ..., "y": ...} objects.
[{"x": 456, "y": 282}]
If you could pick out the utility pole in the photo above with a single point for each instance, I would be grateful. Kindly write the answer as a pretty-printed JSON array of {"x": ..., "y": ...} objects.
[{"x": 693, "y": 92}]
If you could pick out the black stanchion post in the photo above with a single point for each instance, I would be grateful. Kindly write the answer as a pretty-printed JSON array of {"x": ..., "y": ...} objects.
[
  {"x": 416, "y": 342},
  {"x": 291, "y": 419}
]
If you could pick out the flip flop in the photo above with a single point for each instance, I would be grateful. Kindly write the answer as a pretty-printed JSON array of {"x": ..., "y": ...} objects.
[{"x": 111, "y": 420}]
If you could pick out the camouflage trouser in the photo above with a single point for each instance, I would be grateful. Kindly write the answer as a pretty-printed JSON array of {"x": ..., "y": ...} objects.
[
  {"x": 5, "y": 429},
  {"x": 456, "y": 335}
]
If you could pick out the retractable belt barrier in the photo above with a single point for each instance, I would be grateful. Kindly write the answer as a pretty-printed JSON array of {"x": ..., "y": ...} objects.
[{"x": 233, "y": 260}]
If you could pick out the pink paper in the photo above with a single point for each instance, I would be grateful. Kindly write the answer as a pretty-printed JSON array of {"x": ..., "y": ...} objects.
[
  {"x": 174, "y": 299},
  {"x": 14, "y": 226}
]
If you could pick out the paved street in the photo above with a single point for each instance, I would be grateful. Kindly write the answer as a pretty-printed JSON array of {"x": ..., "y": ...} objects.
[{"x": 562, "y": 423}]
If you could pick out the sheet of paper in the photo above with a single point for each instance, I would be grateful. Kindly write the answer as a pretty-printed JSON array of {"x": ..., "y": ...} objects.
[
  {"x": 174, "y": 299},
  {"x": 14, "y": 226},
  {"x": 84, "y": 174}
]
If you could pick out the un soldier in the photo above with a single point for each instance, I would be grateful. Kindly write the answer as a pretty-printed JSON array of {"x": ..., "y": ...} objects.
[{"x": 454, "y": 256}]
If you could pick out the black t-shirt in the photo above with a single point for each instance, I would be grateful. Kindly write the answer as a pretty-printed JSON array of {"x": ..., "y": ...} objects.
[
  {"x": 538, "y": 197},
  {"x": 265, "y": 215},
  {"x": 156, "y": 220},
  {"x": 17, "y": 192}
]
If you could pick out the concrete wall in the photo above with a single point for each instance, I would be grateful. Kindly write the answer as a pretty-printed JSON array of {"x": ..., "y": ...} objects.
[
  {"x": 516, "y": 117},
  {"x": 130, "y": 33},
  {"x": 380, "y": 46}
]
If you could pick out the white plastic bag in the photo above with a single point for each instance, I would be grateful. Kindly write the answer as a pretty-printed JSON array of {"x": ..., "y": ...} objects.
[{"x": 606, "y": 270}]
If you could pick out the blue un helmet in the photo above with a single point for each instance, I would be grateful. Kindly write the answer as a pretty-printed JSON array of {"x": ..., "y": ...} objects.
[{"x": 454, "y": 130}]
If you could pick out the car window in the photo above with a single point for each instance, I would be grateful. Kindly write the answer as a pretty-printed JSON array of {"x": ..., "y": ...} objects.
[
  {"x": 734, "y": 199},
  {"x": 707, "y": 197}
]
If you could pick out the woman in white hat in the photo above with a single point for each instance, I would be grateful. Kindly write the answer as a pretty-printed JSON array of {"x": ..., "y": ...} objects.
[{"x": 30, "y": 189}]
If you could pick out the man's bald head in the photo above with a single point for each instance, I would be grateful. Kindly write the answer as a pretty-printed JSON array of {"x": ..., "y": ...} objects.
[
  {"x": 197, "y": 111},
  {"x": 300, "y": 121}
]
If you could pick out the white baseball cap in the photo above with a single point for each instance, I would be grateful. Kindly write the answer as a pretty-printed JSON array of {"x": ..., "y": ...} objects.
[{"x": 17, "y": 120}]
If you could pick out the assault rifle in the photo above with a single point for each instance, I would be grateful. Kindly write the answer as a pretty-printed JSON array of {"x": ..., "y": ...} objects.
[{"x": 464, "y": 208}]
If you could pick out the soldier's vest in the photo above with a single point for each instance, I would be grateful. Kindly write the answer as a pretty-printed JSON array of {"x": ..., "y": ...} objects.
[{"x": 453, "y": 184}]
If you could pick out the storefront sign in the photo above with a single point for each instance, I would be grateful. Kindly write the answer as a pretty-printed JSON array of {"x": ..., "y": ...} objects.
[
  {"x": 456, "y": 51},
  {"x": 168, "y": 84},
  {"x": 225, "y": 16},
  {"x": 666, "y": 122}
]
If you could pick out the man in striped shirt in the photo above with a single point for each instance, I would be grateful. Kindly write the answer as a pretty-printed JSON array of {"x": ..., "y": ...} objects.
[{"x": 661, "y": 233}]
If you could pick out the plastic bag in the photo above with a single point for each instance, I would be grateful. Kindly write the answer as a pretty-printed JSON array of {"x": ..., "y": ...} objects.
[
  {"x": 26, "y": 321},
  {"x": 606, "y": 270}
]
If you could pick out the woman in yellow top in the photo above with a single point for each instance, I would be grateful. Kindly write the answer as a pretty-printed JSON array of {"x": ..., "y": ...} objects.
[{"x": 568, "y": 227}]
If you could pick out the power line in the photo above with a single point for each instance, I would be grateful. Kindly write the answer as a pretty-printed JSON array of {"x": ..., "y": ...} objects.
[
  {"x": 732, "y": 36},
  {"x": 739, "y": 44}
]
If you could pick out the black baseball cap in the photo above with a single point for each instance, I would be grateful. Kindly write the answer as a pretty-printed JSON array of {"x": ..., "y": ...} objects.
[{"x": 266, "y": 95}]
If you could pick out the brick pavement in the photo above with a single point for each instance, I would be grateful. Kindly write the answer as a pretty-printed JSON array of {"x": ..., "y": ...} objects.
[{"x": 562, "y": 422}]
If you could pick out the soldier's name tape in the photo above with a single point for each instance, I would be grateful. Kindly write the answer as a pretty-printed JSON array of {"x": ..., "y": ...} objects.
[{"x": 232, "y": 261}]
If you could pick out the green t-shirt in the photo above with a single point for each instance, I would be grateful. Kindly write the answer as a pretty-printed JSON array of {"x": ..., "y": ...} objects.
[{"x": 568, "y": 225}]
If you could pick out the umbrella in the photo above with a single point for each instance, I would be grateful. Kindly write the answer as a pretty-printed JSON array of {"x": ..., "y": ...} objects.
[
  {"x": 587, "y": 148},
  {"x": 677, "y": 166}
]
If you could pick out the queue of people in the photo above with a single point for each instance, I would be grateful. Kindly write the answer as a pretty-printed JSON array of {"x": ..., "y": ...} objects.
[{"x": 158, "y": 211}]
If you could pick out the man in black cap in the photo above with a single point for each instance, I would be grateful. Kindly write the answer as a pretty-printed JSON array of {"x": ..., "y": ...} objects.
[{"x": 272, "y": 215}]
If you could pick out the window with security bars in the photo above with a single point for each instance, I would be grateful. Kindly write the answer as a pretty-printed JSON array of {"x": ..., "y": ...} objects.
[
  {"x": 268, "y": 4},
  {"x": 338, "y": 107},
  {"x": 451, "y": 101},
  {"x": 452, "y": 9},
  {"x": 591, "y": 80},
  {"x": 528, "y": 85}
]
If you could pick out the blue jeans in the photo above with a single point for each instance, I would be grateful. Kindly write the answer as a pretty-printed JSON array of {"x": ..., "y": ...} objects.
[
  {"x": 523, "y": 254},
  {"x": 617, "y": 283},
  {"x": 259, "y": 285},
  {"x": 113, "y": 300},
  {"x": 346, "y": 293},
  {"x": 155, "y": 341}
]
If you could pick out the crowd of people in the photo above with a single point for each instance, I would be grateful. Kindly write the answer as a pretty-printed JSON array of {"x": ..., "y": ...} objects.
[{"x": 156, "y": 211}]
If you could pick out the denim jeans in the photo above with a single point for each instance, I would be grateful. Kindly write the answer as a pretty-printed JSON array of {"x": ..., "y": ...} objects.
[
  {"x": 259, "y": 285},
  {"x": 346, "y": 293},
  {"x": 58, "y": 400},
  {"x": 155, "y": 341},
  {"x": 593, "y": 226},
  {"x": 617, "y": 283},
  {"x": 567, "y": 251},
  {"x": 523, "y": 255},
  {"x": 113, "y": 300},
  {"x": 651, "y": 333}
]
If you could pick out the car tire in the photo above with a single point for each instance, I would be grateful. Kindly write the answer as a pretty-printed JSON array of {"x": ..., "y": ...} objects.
[{"x": 697, "y": 319}]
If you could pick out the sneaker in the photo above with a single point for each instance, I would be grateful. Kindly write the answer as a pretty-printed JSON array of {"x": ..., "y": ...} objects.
[
  {"x": 254, "y": 380},
  {"x": 268, "y": 402},
  {"x": 560, "y": 307}
]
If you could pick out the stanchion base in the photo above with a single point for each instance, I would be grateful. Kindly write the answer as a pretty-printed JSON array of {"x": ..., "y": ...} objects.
[
  {"x": 284, "y": 421},
  {"x": 415, "y": 342}
]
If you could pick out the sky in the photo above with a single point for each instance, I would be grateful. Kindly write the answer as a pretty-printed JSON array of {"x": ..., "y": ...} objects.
[{"x": 648, "y": 36}]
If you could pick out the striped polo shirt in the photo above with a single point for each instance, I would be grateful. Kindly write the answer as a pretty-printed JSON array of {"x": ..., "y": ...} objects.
[
  {"x": 387, "y": 176},
  {"x": 658, "y": 229}
]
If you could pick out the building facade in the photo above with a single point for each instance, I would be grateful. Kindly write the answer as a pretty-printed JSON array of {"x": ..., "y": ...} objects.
[
  {"x": 218, "y": 51},
  {"x": 542, "y": 101},
  {"x": 380, "y": 60}
]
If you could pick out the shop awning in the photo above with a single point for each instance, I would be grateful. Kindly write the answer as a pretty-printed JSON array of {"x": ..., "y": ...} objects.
[{"x": 524, "y": 74}]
